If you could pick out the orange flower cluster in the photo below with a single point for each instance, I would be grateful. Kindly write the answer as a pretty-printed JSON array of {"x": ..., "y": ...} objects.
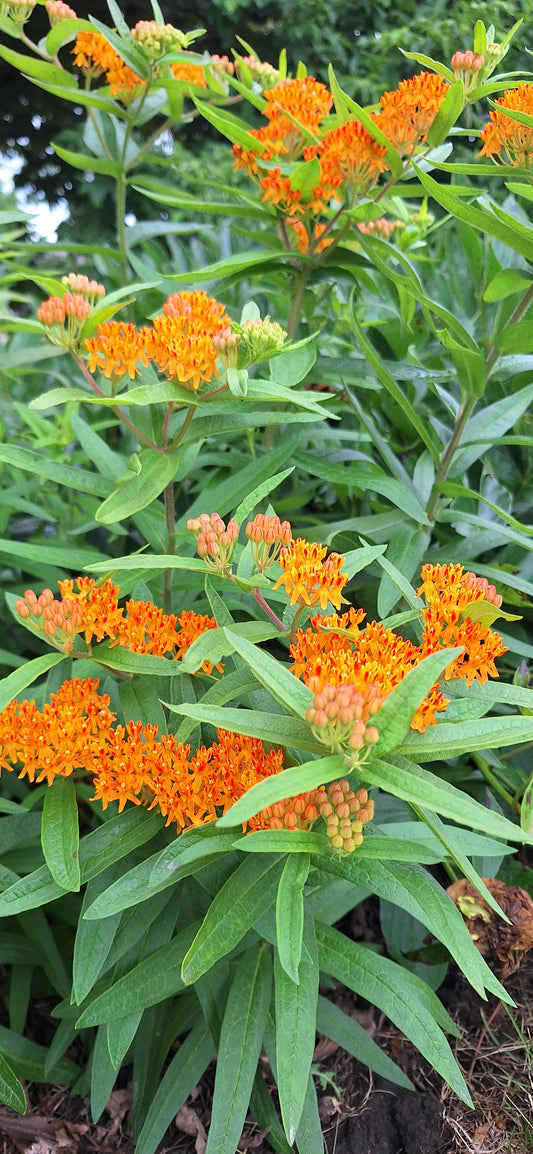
[
  {"x": 95, "y": 56},
  {"x": 408, "y": 112},
  {"x": 180, "y": 341},
  {"x": 458, "y": 606},
  {"x": 76, "y": 733},
  {"x": 381, "y": 227},
  {"x": 335, "y": 652},
  {"x": 503, "y": 135},
  {"x": 309, "y": 578},
  {"x": 93, "y": 610},
  {"x": 349, "y": 158},
  {"x": 349, "y": 155},
  {"x": 190, "y": 73}
]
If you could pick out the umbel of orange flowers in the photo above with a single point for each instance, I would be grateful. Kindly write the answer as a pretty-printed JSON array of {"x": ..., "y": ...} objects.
[
  {"x": 349, "y": 159},
  {"x": 350, "y": 670}
]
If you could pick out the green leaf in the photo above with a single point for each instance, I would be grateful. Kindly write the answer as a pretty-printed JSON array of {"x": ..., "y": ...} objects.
[
  {"x": 151, "y": 981},
  {"x": 37, "y": 69},
  {"x": 394, "y": 718},
  {"x": 14, "y": 684},
  {"x": 366, "y": 476},
  {"x": 11, "y": 1091},
  {"x": 92, "y": 943},
  {"x": 28, "y": 1059},
  {"x": 505, "y": 283},
  {"x": 185, "y": 1071},
  {"x": 284, "y": 686},
  {"x": 63, "y": 32},
  {"x": 238, "y": 1053},
  {"x": 288, "y": 783},
  {"x": 448, "y": 113},
  {"x": 433, "y": 65},
  {"x": 294, "y": 841},
  {"x": 290, "y": 913},
  {"x": 273, "y": 728},
  {"x": 60, "y": 835},
  {"x": 259, "y": 493},
  {"x": 401, "y": 777},
  {"x": 404, "y": 998},
  {"x": 305, "y": 177},
  {"x": 246, "y": 895},
  {"x": 192, "y": 845},
  {"x": 88, "y": 163},
  {"x": 157, "y": 471},
  {"x": 454, "y": 851},
  {"x": 229, "y": 126},
  {"x": 347, "y": 1033},
  {"x": 295, "y": 1029},
  {"x": 47, "y": 470},
  {"x": 449, "y": 740},
  {"x": 505, "y": 229}
]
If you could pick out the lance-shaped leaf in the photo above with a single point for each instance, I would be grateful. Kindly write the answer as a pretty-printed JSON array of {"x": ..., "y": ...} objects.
[
  {"x": 245, "y": 896},
  {"x": 290, "y": 913},
  {"x": 139, "y": 489},
  {"x": 297, "y": 779},
  {"x": 295, "y": 1029},
  {"x": 396, "y": 714},
  {"x": 60, "y": 835},
  {"x": 240, "y": 1044}
]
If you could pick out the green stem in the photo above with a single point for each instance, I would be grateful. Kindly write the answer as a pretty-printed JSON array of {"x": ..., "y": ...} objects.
[
  {"x": 170, "y": 518},
  {"x": 492, "y": 780},
  {"x": 297, "y": 301},
  {"x": 519, "y": 311},
  {"x": 117, "y": 411},
  {"x": 447, "y": 457},
  {"x": 121, "y": 225},
  {"x": 148, "y": 143},
  {"x": 188, "y": 418},
  {"x": 170, "y": 512}
]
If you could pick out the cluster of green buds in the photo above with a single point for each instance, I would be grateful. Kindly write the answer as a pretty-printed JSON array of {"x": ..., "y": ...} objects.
[
  {"x": 339, "y": 716},
  {"x": 345, "y": 814},
  {"x": 215, "y": 541},
  {"x": 58, "y": 11},
  {"x": 57, "y": 621},
  {"x": 251, "y": 71},
  {"x": 260, "y": 340},
  {"x": 157, "y": 39},
  {"x": 17, "y": 10},
  {"x": 268, "y": 536},
  {"x": 292, "y": 813}
]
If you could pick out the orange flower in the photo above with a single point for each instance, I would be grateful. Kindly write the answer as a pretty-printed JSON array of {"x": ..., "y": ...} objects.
[
  {"x": 181, "y": 340},
  {"x": 372, "y": 660},
  {"x": 117, "y": 350},
  {"x": 63, "y": 737},
  {"x": 101, "y": 616},
  {"x": 310, "y": 579},
  {"x": 192, "y": 625},
  {"x": 307, "y": 100},
  {"x": 94, "y": 55},
  {"x": 302, "y": 235},
  {"x": 408, "y": 112},
  {"x": 349, "y": 155},
  {"x": 191, "y": 73},
  {"x": 508, "y": 136},
  {"x": 450, "y": 593},
  {"x": 146, "y": 629}
]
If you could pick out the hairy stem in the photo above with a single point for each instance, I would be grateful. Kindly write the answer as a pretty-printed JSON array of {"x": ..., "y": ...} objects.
[
  {"x": 269, "y": 612},
  {"x": 492, "y": 780}
]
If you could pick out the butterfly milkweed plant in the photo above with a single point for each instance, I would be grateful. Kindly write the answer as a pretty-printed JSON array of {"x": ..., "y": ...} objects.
[{"x": 265, "y": 461}]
